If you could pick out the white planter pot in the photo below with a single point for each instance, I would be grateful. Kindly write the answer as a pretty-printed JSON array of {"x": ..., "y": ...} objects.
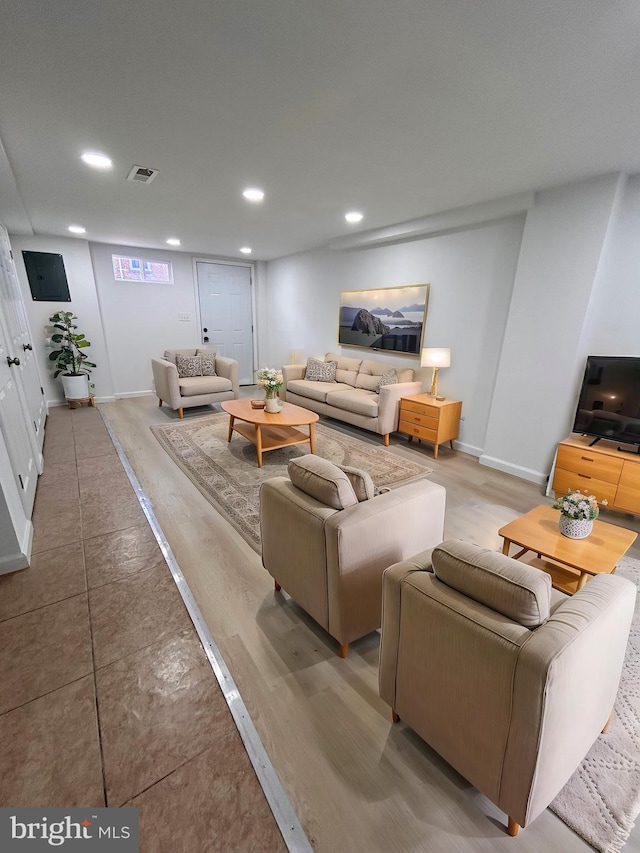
[
  {"x": 75, "y": 387},
  {"x": 575, "y": 528},
  {"x": 272, "y": 405}
]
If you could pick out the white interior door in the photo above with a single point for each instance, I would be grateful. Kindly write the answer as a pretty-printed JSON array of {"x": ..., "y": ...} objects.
[
  {"x": 19, "y": 342},
  {"x": 226, "y": 314},
  {"x": 12, "y": 425}
]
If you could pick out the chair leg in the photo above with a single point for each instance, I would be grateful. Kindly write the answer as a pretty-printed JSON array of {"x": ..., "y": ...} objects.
[
  {"x": 386, "y": 439},
  {"x": 395, "y": 716},
  {"x": 512, "y": 827},
  {"x": 180, "y": 413},
  {"x": 276, "y": 585},
  {"x": 343, "y": 650},
  {"x": 159, "y": 401},
  {"x": 608, "y": 723}
]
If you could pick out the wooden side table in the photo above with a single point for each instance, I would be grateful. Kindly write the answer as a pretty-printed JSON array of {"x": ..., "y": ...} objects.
[{"x": 428, "y": 419}]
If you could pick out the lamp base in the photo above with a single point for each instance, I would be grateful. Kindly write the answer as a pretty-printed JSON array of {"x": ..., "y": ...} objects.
[{"x": 433, "y": 391}]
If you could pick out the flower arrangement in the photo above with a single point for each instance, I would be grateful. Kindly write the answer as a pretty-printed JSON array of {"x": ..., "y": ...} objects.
[
  {"x": 578, "y": 505},
  {"x": 271, "y": 380}
]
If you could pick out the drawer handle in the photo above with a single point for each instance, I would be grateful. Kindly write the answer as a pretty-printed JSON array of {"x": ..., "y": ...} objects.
[
  {"x": 586, "y": 459},
  {"x": 584, "y": 476}
]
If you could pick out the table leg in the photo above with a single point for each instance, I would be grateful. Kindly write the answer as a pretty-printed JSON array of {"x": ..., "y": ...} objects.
[
  {"x": 231, "y": 420},
  {"x": 312, "y": 437},
  {"x": 505, "y": 547},
  {"x": 582, "y": 580},
  {"x": 259, "y": 444}
]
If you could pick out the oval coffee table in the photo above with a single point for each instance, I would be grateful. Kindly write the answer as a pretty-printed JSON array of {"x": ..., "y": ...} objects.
[{"x": 270, "y": 431}]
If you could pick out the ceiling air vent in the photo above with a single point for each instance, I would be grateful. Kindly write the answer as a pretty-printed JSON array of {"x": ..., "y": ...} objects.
[{"x": 142, "y": 175}]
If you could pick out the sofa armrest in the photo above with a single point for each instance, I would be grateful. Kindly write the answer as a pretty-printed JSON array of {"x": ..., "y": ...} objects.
[
  {"x": 229, "y": 369},
  {"x": 165, "y": 379},
  {"x": 289, "y": 372},
  {"x": 392, "y": 580},
  {"x": 565, "y": 686},
  {"x": 363, "y": 540},
  {"x": 389, "y": 405}
]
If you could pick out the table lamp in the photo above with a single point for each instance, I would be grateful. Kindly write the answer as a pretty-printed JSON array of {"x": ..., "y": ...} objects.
[{"x": 435, "y": 357}]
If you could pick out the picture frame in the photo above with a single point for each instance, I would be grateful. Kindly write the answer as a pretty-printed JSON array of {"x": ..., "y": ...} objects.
[{"x": 389, "y": 319}]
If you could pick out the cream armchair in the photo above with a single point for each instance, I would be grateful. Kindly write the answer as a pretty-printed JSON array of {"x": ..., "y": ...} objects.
[
  {"x": 509, "y": 681},
  {"x": 184, "y": 392},
  {"x": 340, "y": 537}
]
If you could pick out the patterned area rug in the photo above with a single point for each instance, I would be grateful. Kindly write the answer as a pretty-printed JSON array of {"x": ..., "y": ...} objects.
[
  {"x": 227, "y": 474},
  {"x": 602, "y": 799}
]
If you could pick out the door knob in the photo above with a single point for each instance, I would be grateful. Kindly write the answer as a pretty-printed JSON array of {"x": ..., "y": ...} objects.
[
  {"x": 205, "y": 330},
  {"x": 205, "y": 340},
  {"x": 26, "y": 347},
  {"x": 15, "y": 361}
]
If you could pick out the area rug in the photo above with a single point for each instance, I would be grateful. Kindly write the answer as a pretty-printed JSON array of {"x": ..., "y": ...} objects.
[
  {"x": 602, "y": 799},
  {"x": 227, "y": 473}
]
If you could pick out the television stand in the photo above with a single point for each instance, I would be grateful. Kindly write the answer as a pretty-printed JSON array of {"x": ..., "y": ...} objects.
[{"x": 608, "y": 472}]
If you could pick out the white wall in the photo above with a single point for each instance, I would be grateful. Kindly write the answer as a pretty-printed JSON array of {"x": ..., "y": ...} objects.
[
  {"x": 84, "y": 303},
  {"x": 542, "y": 359},
  {"x": 471, "y": 275}
]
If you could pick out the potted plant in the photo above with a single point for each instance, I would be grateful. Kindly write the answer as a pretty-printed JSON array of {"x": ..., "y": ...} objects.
[
  {"x": 271, "y": 380},
  {"x": 577, "y": 513},
  {"x": 70, "y": 358}
]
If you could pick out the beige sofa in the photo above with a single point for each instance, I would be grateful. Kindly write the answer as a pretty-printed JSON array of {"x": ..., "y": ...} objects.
[
  {"x": 184, "y": 392},
  {"x": 509, "y": 681},
  {"x": 352, "y": 397},
  {"x": 340, "y": 537}
]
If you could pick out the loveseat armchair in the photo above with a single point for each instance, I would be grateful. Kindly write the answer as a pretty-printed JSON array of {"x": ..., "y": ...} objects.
[
  {"x": 340, "y": 538},
  {"x": 184, "y": 392},
  {"x": 509, "y": 681}
]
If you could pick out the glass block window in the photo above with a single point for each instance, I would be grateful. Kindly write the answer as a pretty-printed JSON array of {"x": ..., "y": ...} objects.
[{"x": 137, "y": 269}]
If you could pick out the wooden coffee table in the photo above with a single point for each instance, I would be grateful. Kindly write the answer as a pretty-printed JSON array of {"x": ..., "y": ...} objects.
[
  {"x": 570, "y": 562},
  {"x": 270, "y": 431}
]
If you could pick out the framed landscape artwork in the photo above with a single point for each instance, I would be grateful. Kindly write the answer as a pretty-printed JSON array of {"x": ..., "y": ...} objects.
[{"x": 390, "y": 318}]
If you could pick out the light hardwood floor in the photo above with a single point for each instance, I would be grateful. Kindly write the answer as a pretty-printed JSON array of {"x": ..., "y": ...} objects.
[{"x": 357, "y": 782}]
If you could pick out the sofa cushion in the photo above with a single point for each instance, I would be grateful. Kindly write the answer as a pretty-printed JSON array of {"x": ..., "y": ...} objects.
[
  {"x": 355, "y": 400},
  {"x": 320, "y": 371},
  {"x": 361, "y": 482},
  {"x": 322, "y": 480},
  {"x": 518, "y": 591},
  {"x": 195, "y": 385},
  {"x": 389, "y": 377},
  {"x": 347, "y": 369},
  {"x": 188, "y": 365},
  {"x": 315, "y": 390},
  {"x": 208, "y": 357},
  {"x": 170, "y": 354}
]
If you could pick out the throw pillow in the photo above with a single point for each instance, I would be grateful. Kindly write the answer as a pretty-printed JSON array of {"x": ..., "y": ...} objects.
[
  {"x": 389, "y": 377},
  {"x": 188, "y": 365},
  {"x": 208, "y": 362},
  {"x": 321, "y": 371},
  {"x": 361, "y": 482}
]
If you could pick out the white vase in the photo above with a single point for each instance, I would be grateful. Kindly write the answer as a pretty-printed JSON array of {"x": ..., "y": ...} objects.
[
  {"x": 575, "y": 528},
  {"x": 75, "y": 387},
  {"x": 272, "y": 405}
]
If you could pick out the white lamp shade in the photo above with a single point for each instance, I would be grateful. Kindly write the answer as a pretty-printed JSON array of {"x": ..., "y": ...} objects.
[{"x": 435, "y": 357}]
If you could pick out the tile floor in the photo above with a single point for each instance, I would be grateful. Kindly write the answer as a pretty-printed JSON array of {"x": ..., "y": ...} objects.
[{"x": 106, "y": 696}]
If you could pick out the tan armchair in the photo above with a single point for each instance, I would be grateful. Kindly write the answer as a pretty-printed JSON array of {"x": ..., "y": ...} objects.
[
  {"x": 184, "y": 392},
  {"x": 326, "y": 539},
  {"x": 509, "y": 681}
]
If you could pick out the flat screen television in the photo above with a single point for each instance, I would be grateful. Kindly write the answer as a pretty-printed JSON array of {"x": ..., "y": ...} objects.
[{"x": 609, "y": 404}]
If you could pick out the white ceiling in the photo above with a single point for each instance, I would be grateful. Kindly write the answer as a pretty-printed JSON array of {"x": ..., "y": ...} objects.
[{"x": 397, "y": 108}]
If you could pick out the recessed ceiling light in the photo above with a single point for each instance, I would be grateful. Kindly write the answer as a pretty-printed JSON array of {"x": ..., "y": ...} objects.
[
  {"x": 96, "y": 160},
  {"x": 253, "y": 194},
  {"x": 353, "y": 216},
  {"x": 173, "y": 241},
  {"x": 245, "y": 250},
  {"x": 77, "y": 229}
]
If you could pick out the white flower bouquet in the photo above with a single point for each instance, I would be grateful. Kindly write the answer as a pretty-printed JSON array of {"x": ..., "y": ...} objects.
[
  {"x": 271, "y": 380},
  {"x": 578, "y": 505}
]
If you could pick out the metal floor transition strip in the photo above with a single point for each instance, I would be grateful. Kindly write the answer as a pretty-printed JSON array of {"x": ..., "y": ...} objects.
[{"x": 281, "y": 807}]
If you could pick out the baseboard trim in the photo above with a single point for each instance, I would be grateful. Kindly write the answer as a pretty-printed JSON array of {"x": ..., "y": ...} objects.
[
  {"x": 471, "y": 449},
  {"x": 123, "y": 395},
  {"x": 15, "y": 562},
  {"x": 516, "y": 470}
]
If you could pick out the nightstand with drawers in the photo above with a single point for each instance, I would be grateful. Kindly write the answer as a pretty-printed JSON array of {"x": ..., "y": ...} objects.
[{"x": 435, "y": 421}]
